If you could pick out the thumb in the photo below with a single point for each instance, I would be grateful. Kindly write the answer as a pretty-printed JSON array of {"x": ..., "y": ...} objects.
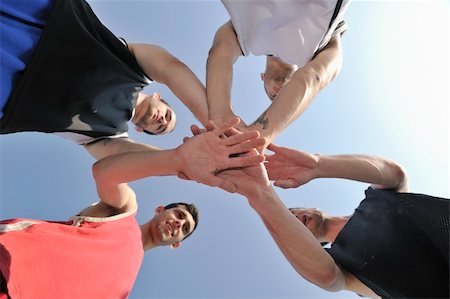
[
  {"x": 183, "y": 176},
  {"x": 224, "y": 184},
  {"x": 286, "y": 183}
]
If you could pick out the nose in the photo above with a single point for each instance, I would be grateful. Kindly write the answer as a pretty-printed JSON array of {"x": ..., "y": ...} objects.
[{"x": 163, "y": 120}]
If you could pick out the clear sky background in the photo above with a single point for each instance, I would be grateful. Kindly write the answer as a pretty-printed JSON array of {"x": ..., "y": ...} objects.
[{"x": 390, "y": 99}]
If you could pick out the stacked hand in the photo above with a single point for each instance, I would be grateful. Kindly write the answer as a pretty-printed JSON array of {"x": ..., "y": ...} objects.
[
  {"x": 290, "y": 168},
  {"x": 207, "y": 153}
]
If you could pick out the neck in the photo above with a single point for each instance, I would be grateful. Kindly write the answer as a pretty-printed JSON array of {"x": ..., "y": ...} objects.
[
  {"x": 139, "y": 108},
  {"x": 147, "y": 241},
  {"x": 334, "y": 225}
]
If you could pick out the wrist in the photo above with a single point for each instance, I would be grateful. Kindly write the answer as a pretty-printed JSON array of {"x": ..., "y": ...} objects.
[
  {"x": 319, "y": 170},
  {"x": 262, "y": 198},
  {"x": 179, "y": 158}
]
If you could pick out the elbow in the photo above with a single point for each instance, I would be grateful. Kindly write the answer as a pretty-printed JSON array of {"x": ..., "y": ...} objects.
[
  {"x": 98, "y": 172},
  {"x": 330, "y": 282},
  {"x": 393, "y": 176},
  {"x": 222, "y": 51},
  {"x": 330, "y": 279},
  {"x": 401, "y": 178}
]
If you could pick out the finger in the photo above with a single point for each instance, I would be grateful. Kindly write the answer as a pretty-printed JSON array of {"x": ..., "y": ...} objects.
[
  {"x": 274, "y": 148},
  {"x": 247, "y": 145},
  {"x": 211, "y": 125},
  {"x": 226, "y": 126},
  {"x": 238, "y": 138},
  {"x": 286, "y": 183},
  {"x": 196, "y": 130},
  {"x": 183, "y": 176},
  {"x": 222, "y": 184},
  {"x": 233, "y": 131},
  {"x": 244, "y": 161},
  {"x": 185, "y": 139}
]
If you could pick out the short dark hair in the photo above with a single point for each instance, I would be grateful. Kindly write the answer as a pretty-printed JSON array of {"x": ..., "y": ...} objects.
[{"x": 191, "y": 208}]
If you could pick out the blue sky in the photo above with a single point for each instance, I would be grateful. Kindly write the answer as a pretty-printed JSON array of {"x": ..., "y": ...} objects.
[{"x": 390, "y": 99}]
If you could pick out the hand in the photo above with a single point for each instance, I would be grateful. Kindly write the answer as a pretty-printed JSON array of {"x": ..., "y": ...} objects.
[
  {"x": 225, "y": 116},
  {"x": 204, "y": 155},
  {"x": 248, "y": 180},
  {"x": 290, "y": 168},
  {"x": 251, "y": 128}
]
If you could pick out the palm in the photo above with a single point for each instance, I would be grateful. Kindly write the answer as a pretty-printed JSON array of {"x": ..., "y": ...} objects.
[
  {"x": 206, "y": 154},
  {"x": 248, "y": 179}
]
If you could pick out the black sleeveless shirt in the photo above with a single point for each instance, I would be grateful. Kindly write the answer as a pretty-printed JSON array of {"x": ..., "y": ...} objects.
[
  {"x": 397, "y": 244},
  {"x": 81, "y": 78}
]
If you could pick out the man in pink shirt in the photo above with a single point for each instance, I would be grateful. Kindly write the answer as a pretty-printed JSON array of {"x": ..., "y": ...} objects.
[{"x": 97, "y": 253}]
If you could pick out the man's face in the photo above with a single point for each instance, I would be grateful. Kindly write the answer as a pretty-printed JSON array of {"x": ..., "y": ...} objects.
[
  {"x": 157, "y": 117},
  {"x": 312, "y": 218},
  {"x": 274, "y": 79},
  {"x": 171, "y": 226}
]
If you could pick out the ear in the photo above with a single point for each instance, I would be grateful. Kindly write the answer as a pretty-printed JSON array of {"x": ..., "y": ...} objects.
[
  {"x": 156, "y": 95},
  {"x": 159, "y": 210},
  {"x": 138, "y": 129},
  {"x": 175, "y": 245},
  {"x": 263, "y": 75}
]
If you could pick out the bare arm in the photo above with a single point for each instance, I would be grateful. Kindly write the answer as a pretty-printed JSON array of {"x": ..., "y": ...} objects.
[
  {"x": 295, "y": 97},
  {"x": 199, "y": 158},
  {"x": 164, "y": 68},
  {"x": 292, "y": 168},
  {"x": 223, "y": 54},
  {"x": 295, "y": 241},
  {"x": 113, "y": 146}
]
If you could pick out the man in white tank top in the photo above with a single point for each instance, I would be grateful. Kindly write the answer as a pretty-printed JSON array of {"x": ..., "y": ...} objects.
[{"x": 301, "y": 40}]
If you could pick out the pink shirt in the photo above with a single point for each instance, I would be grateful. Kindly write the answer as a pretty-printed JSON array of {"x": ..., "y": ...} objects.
[{"x": 86, "y": 257}]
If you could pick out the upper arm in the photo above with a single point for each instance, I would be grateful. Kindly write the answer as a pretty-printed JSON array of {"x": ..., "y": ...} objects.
[
  {"x": 326, "y": 64},
  {"x": 120, "y": 198},
  {"x": 113, "y": 146},
  {"x": 154, "y": 60},
  {"x": 225, "y": 43}
]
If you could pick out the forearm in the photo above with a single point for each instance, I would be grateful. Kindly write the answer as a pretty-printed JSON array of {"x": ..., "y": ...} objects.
[
  {"x": 296, "y": 96},
  {"x": 131, "y": 166},
  {"x": 297, "y": 243},
  {"x": 223, "y": 54},
  {"x": 219, "y": 78},
  {"x": 188, "y": 88},
  {"x": 370, "y": 169},
  {"x": 165, "y": 68},
  {"x": 292, "y": 100}
]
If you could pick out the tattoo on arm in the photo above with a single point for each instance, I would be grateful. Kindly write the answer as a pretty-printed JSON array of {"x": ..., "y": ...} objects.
[{"x": 263, "y": 121}]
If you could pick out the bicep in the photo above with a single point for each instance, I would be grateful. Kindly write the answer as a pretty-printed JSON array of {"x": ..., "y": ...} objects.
[
  {"x": 153, "y": 59},
  {"x": 113, "y": 146},
  {"x": 327, "y": 64},
  {"x": 119, "y": 197}
]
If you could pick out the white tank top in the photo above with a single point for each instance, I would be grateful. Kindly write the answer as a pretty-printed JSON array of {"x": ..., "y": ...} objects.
[{"x": 292, "y": 30}]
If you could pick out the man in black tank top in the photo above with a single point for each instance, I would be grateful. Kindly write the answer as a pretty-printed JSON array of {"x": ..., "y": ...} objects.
[
  {"x": 395, "y": 245},
  {"x": 84, "y": 83}
]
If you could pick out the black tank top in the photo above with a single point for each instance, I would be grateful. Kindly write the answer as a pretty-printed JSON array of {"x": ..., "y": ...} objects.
[
  {"x": 397, "y": 244},
  {"x": 80, "y": 79}
]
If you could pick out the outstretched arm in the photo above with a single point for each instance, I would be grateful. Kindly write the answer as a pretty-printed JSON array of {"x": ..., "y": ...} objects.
[
  {"x": 223, "y": 54},
  {"x": 200, "y": 158},
  {"x": 295, "y": 241},
  {"x": 164, "y": 68},
  {"x": 112, "y": 146},
  {"x": 291, "y": 168},
  {"x": 295, "y": 97}
]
